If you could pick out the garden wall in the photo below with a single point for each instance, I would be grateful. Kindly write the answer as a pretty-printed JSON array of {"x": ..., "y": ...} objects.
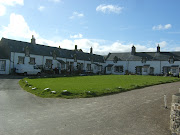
[{"x": 175, "y": 115}]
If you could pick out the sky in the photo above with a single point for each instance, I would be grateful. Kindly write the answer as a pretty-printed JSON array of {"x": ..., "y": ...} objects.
[{"x": 105, "y": 25}]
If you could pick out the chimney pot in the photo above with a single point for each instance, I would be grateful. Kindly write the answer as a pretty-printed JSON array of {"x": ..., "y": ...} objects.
[
  {"x": 133, "y": 51},
  {"x": 33, "y": 40},
  {"x": 76, "y": 47},
  {"x": 158, "y": 49},
  {"x": 91, "y": 50}
]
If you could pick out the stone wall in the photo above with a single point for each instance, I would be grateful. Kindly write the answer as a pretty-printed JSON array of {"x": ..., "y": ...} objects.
[{"x": 175, "y": 115}]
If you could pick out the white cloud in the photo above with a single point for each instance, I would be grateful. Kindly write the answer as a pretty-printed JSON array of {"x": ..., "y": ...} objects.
[
  {"x": 76, "y": 36},
  {"x": 41, "y": 8},
  {"x": 12, "y": 2},
  {"x": 109, "y": 8},
  {"x": 2, "y": 10},
  {"x": 76, "y": 15},
  {"x": 17, "y": 27},
  {"x": 177, "y": 49},
  {"x": 4, "y": 3},
  {"x": 162, "y": 44},
  {"x": 167, "y": 26},
  {"x": 162, "y": 27}
]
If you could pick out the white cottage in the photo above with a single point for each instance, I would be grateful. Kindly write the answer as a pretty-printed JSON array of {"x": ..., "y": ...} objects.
[
  {"x": 143, "y": 63},
  {"x": 48, "y": 58}
]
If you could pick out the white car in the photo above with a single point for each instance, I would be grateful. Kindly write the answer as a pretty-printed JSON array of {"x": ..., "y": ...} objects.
[{"x": 28, "y": 69}]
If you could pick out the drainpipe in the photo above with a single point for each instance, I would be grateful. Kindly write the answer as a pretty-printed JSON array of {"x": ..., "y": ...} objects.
[
  {"x": 13, "y": 58},
  {"x": 160, "y": 67},
  {"x": 43, "y": 62},
  {"x": 84, "y": 67},
  {"x": 66, "y": 64}
]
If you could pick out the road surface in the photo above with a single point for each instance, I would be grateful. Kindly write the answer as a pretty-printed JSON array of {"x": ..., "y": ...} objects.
[{"x": 137, "y": 112}]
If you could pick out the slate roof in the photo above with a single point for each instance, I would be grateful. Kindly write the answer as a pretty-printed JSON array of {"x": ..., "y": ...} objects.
[
  {"x": 149, "y": 56},
  {"x": 37, "y": 49},
  {"x": 3, "y": 54}
]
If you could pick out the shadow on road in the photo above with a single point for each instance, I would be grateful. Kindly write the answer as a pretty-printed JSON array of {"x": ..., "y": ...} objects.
[{"x": 11, "y": 77}]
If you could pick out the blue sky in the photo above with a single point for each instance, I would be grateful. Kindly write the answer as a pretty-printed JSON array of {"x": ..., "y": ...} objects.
[{"x": 106, "y": 25}]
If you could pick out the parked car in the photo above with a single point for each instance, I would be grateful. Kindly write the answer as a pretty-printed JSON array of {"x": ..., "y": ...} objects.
[{"x": 28, "y": 69}]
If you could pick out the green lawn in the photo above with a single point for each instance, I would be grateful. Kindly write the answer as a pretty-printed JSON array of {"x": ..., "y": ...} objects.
[{"x": 90, "y": 86}]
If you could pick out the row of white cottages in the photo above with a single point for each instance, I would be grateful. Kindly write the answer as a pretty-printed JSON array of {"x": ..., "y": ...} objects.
[{"x": 13, "y": 52}]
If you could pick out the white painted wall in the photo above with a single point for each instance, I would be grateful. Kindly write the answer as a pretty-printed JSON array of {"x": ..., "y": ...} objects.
[
  {"x": 41, "y": 60},
  {"x": 130, "y": 66}
]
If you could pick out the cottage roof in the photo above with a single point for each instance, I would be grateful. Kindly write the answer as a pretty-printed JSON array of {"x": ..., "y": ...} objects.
[
  {"x": 149, "y": 56},
  {"x": 38, "y": 49},
  {"x": 3, "y": 54}
]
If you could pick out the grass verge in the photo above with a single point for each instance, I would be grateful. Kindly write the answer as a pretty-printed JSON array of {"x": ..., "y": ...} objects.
[{"x": 89, "y": 86}]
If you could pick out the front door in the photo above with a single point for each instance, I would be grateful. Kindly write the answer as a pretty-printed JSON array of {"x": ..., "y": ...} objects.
[{"x": 151, "y": 70}]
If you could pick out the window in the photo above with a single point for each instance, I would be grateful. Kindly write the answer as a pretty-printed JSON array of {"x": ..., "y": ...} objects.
[
  {"x": 166, "y": 69},
  {"x": 174, "y": 70},
  {"x": 71, "y": 65},
  {"x": 20, "y": 60},
  {"x": 81, "y": 66},
  {"x": 99, "y": 68},
  {"x": 151, "y": 70},
  {"x": 88, "y": 67},
  {"x": 145, "y": 70},
  {"x": 138, "y": 70},
  {"x": 2, "y": 65},
  {"x": 118, "y": 69},
  {"x": 32, "y": 61},
  {"x": 48, "y": 63},
  {"x": 108, "y": 68}
]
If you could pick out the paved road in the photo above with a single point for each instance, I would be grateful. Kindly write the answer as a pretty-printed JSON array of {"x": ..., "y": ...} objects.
[{"x": 138, "y": 112}]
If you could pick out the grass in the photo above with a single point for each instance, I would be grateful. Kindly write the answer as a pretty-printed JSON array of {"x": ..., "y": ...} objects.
[{"x": 90, "y": 86}]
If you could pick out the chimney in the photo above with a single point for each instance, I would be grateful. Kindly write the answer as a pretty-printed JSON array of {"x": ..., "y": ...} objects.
[
  {"x": 33, "y": 40},
  {"x": 158, "y": 49},
  {"x": 91, "y": 50},
  {"x": 75, "y": 47},
  {"x": 133, "y": 51}
]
